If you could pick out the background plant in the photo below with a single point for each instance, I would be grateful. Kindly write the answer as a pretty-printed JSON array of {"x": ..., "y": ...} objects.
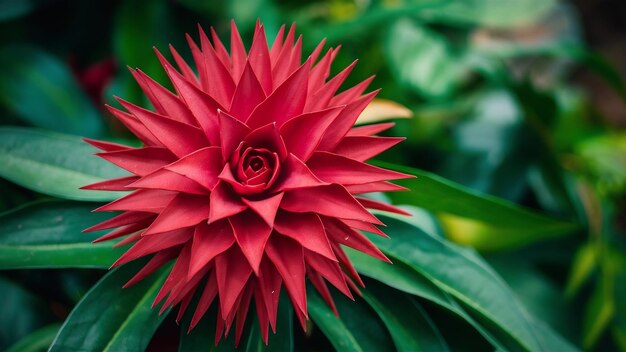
[{"x": 532, "y": 174}]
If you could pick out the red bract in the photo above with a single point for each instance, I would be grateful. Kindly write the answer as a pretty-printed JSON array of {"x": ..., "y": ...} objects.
[{"x": 250, "y": 179}]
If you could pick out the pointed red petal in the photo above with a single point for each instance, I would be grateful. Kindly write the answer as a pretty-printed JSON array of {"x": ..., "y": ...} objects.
[
  {"x": 317, "y": 51},
  {"x": 280, "y": 65},
  {"x": 307, "y": 229},
  {"x": 221, "y": 85},
  {"x": 321, "y": 287},
  {"x": 207, "y": 297},
  {"x": 153, "y": 244},
  {"x": 268, "y": 137},
  {"x": 251, "y": 233},
  {"x": 375, "y": 187},
  {"x": 164, "y": 101},
  {"x": 139, "y": 161},
  {"x": 220, "y": 50},
  {"x": 261, "y": 312},
  {"x": 320, "y": 72},
  {"x": 208, "y": 242},
  {"x": 321, "y": 98},
  {"x": 329, "y": 269},
  {"x": 146, "y": 200},
  {"x": 185, "y": 304},
  {"x": 178, "y": 137},
  {"x": 296, "y": 57},
  {"x": 362, "y": 148},
  {"x": 173, "y": 279},
  {"x": 184, "y": 67},
  {"x": 274, "y": 109},
  {"x": 374, "y": 204},
  {"x": 135, "y": 126},
  {"x": 242, "y": 312},
  {"x": 332, "y": 200},
  {"x": 129, "y": 217},
  {"x": 364, "y": 226},
  {"x": 277, "y": 45},
  {"x": 248, "y": 95},
  {"x": 170, "y": 181},
  {"x": 335, "y": 168},
  {"x": 340, "y": 233},
  {"x": 312, "y": 125},
  {"x": 265, "y": 208},
  {"x": 224, "y": 203},
  {"x": 270, "y": 283},
  {"x": 116, "y": 184},
  {"x": 259, "y": 59},
  {"x": 297, "y": 175},
  {"x": 106, "y": 146},
  {"x": 345, "y": 121},
  {"x": 183, "y": 211},
  {"x": 203, "y": 166},
  {"x": 125, "y": 230},
  {"x": 232, "y": 132},
  {"x": 237, "y": 52},
  {"x": 287, "y": 256},
  {"x": 153, "y": 264},
  {"x": 203, "y": 106},
  {"x": 351, "y": 94},
  {"x": 369, "y": 130},
  {"x": 232, "y": 270},
  {"x": 347, "y": 266}
]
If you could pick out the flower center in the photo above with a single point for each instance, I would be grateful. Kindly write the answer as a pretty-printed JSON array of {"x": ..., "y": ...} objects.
[
  {"x": 256, "y": 163},
  {"x": 254, "y": 169}
]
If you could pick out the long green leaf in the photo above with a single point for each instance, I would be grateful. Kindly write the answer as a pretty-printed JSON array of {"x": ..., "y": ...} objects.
[
  {"x": 54, "y": 164},
  {"x": 112, "y": 318},
  {"x": 465, "y": 276},
  {"x": 38, "y": 341},
  {"x": 357, "y": 322},
  {"x": 42, "y": 90},
  {"x": 410, "y": 327},
  {"x": 334, "y": 328},
  {"x": 48, "y": 234},
  {"x": 439, "y": 195},
  {"x": 404, "y": 278}
]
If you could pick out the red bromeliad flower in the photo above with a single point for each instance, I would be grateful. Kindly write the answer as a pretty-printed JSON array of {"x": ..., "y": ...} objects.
[{"x": 250, "y": 178}]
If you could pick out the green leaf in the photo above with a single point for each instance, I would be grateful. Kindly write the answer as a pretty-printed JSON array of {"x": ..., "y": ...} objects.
[
  {"x": 439, "y": 195},
  {"x": 409, "y": 325},
  {"x": 472, "y": 282},
  {"x": 54, "y": 164},
  {"x": 490, "y": 13},
  {"x": 48, "y": 234},
  {"x": 339, "y": 335},
  {"x": 357, "y": 328},
  {"x": 112, "y": 318},
  {"x": 42, "y": 90},
  {"x": 404, "y": 278},
  {"x": 38, "y": 341},
  {"x": 421, "y": 60}
]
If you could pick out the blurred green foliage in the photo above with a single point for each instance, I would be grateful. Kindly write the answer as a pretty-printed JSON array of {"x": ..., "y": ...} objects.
[{"x": 496, "y": 112}]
